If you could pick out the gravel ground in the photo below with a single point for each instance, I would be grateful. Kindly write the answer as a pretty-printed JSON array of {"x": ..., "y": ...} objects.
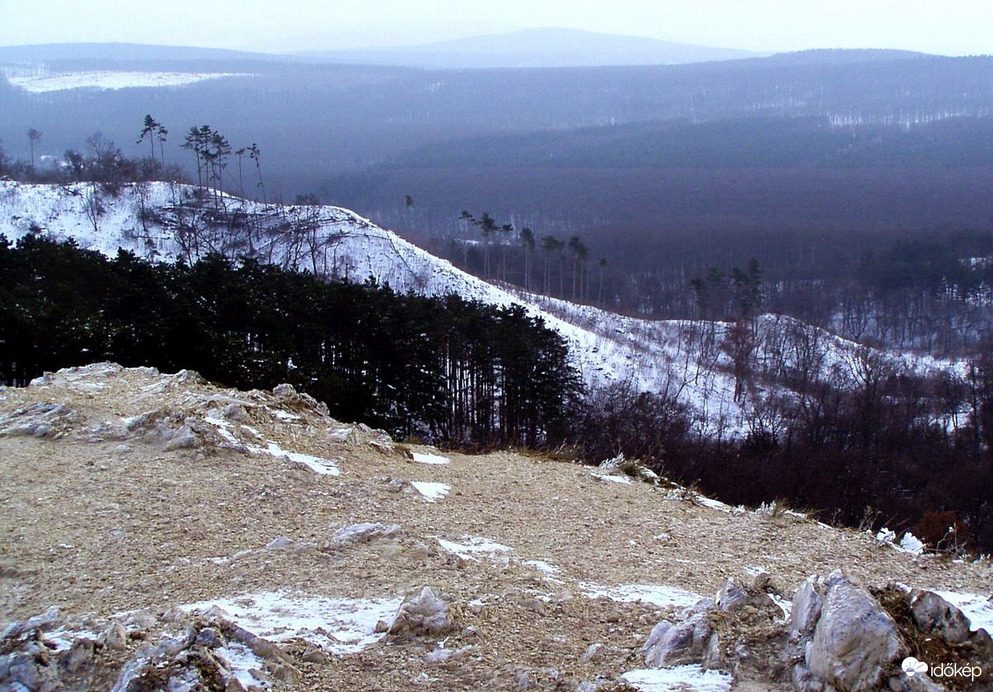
[{"x": 127, "y": 489}]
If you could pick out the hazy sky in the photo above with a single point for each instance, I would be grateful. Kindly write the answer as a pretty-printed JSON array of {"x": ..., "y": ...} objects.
[{"x": 954, "y": 27}]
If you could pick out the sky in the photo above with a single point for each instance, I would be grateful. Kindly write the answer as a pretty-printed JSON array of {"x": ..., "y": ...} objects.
[{"x": 950, "y": 27}]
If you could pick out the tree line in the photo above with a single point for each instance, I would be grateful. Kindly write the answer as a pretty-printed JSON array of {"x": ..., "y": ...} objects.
[{"x": 444, "y": 369}]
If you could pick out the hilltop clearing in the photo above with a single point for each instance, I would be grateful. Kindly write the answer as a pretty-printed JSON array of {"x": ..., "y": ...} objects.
[{"x": 144, "y": 506}]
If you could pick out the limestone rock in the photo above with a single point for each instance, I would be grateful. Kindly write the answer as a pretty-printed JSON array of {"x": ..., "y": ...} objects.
[
  {"x": 678, "y": 644},
  {"x": 807, "y": 603},
  {"x": 934, "y": 614},
  {"x": 731, "y": 596},
  {"x": 854, "y": 642},
  {"x": 289, "y": 395},
  {"x": 424, "y": 614}
]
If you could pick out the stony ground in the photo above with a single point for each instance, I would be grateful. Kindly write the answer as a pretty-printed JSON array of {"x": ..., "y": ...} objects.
[{"x": 127, "y": 490}]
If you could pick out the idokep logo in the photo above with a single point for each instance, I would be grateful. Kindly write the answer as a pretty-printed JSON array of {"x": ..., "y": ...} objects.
[{"x": 912, "y": 667}]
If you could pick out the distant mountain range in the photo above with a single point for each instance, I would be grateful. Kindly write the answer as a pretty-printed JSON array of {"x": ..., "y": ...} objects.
[{"x": 535, "y": 48}]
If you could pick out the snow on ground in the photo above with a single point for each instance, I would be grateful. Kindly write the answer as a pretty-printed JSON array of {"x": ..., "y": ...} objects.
[
  {"x": 241, "y": 661},
  {"x": 663, "y": 596},
  {"x": 63, "y": 638},
  {"x": 106, "y": 80},
  {"x": 432, "y": 492},
  {"x": 546, "y": 568},
  {"x": 338, "y": 625},
  {"x": 679, "y": 679},
  {"x": 323, "y": 467},
  {"x": 610, "y": 478},
  {"x": 430, "y": 459},
  {"x": 471, "y": 546},
  {"x": 978, "y": 608}
]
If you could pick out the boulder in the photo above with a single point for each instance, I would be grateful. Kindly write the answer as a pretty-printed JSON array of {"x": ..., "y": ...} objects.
[
  {"x": 855, "y": 641},
  {"x": 806, "y": 608},
  {"x": 681, "y": 643},
  {"x": 935, "y": 615}
]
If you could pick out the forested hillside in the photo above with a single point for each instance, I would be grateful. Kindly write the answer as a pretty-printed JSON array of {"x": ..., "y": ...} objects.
[{"x": 450, "y": 370}]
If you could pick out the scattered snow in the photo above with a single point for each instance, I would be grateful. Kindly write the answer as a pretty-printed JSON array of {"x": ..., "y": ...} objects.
[
  {"x": 241, "y": 661},
  {"x": 472, "y": 546},
  {"x": 319, "y": 466},
  {"x": 285, "y": 416},
  {"x": 610, "y": 478},
  {"x": 911, "y": 544},
  {"x": 431, "y": 459},
  {"x": 338, "y": 625},
  {"x": 432, "y": 492},
  {"x": 663, "y": 596},
  {"x": 679, "y": 679},
  {"x": 978, "y": 608},
  {"x": 785, "y": 604},
  {"x": 112, "y": 80},
  {"x": 223, "y": 427},
  {"x": 547, "y": 569},
  {"x": 63, "y": 638}
]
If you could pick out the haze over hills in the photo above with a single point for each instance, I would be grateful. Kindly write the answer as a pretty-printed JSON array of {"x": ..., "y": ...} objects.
[
  {"x": 118, "y": 52},
  {"x": 536, "y": 48}
]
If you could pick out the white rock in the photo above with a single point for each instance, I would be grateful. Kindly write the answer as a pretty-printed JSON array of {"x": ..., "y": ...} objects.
[{"x": 854, "y": 641}]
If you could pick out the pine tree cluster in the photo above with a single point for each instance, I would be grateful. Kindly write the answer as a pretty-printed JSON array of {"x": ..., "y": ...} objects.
[{"x": 443, "y": 369}]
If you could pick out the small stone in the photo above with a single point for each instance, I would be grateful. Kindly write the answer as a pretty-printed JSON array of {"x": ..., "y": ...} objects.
[
  {"x": 316, "y": 655},
  {"x": 286, "y": 673},
  {"x": 115, "y": 637},
  {"x": 80, "y": 656},
  {"x": 593, "y": 651},
  {"x": 425, "y": 613},
  {"x": 210, "y": 637}
]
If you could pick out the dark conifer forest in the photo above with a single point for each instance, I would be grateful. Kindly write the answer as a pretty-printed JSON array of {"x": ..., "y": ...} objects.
[{"x": 448, "y": 370}]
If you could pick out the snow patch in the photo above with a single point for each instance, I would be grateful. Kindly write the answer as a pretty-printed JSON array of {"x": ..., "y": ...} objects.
[
  {"x": 471, "y": 546},
  {"x": 323, "y": 467},
  {"x": 339, "y": 625},
  {"x": 610, "y": 478},
  {"x": 430, "y": 459},
  {"x": 113, "y": 80},
  {"x": 663, "y": 596},
  {"x": 678, "y": 679},
  {"x": 241, "y": 661},
  {"x": 432, "y": 492}
]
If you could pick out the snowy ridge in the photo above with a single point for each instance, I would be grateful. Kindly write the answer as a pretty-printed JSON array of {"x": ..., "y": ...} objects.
[
  {"x": 34, "y": 83},
  {"x": 165, "y": 221}
]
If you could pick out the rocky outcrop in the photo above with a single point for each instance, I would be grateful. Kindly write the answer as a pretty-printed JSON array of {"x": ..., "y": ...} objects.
[{"x": 50, "y": 652}]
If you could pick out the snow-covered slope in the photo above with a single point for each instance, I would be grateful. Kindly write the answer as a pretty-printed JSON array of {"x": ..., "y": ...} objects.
[
  {"x": 107, "y": 80},
  {"x": 691, "y": 361}
]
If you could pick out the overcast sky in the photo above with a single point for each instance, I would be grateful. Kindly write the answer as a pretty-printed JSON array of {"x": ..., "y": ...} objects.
[{"x": 952, "y": 27}]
